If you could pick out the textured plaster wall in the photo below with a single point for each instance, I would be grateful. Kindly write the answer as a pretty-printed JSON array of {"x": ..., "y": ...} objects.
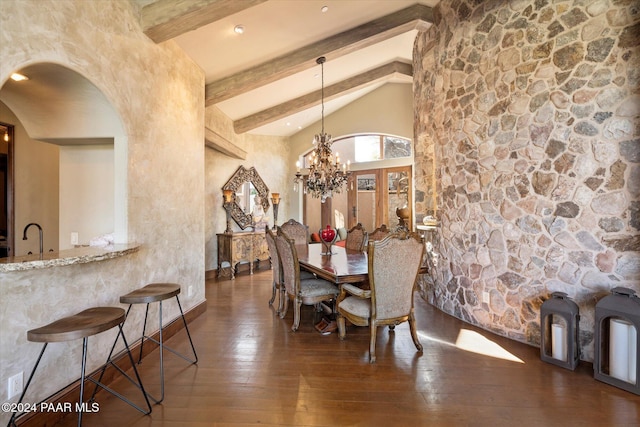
[
  {"x": 268, "y": 154},
  {"x": 158, "y": 94},
  {"x": 527, "y": 141}
]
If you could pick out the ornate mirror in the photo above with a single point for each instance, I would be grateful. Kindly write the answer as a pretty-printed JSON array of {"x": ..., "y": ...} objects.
[{"x": 246, "y": 184}]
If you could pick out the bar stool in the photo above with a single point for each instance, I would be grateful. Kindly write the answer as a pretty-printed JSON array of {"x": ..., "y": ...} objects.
[
  {"x": 82, "y": 325},
  {"x": 158, "y": 292}
]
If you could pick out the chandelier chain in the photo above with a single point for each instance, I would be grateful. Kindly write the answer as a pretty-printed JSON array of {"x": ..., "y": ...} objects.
[{"x": 326, "y": 174}]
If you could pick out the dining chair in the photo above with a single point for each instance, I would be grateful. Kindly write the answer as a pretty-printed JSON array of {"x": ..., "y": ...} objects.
[
  {"x": 393, "y": 268},
  {"x": 356, "y": 238},
  {"x": 300, "y": 291},
  {"x": 379, "y": 233},
  {"x": 296, "y": 231},
  {"x": 276, "y": 267}
]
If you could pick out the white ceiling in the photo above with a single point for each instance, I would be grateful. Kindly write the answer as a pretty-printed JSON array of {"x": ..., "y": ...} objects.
[
  {"x": 278, "y": 27},
  {"x": 277, "y": 30}
]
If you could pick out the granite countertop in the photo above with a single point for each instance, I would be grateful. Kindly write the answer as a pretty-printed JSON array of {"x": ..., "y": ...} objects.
[{"x": 78, "y": 255}]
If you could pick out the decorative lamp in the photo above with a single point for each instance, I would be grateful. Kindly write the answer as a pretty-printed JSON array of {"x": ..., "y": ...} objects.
[
  {"x": 616, "y": 340},
  {"x": 228, "y": 205},
  {"x": 326, "y": 174},
  {"x": 275, "y": 200},
  {"x": 560, "y": 331},
  {"x": 328, "y": 237}
]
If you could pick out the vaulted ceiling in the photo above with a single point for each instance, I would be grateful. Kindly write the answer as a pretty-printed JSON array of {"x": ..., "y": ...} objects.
[{"x": 266, "y": 79}]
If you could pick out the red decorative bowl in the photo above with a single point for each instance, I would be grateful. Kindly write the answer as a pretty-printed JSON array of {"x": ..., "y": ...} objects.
[{"x": 328, "y": 234}]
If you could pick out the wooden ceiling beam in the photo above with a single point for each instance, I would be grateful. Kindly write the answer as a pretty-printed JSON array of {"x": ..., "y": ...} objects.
[
  {"x": 165, "y": 19},
  {"x": 314, "y": 98},
  {"x": 414, "y": 17},
  {"x": 213, "y": 139}
]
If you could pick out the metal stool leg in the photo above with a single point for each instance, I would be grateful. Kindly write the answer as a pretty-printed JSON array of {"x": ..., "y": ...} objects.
[
  {"x": 82, "y": 373},
  {"x": 186, "y": 328},
  {"x": 137, "y": 382},
  {"x": 162, "y": 347},
  {"x": 12, "y": 421},
  {"x": 144, "y": 328}
]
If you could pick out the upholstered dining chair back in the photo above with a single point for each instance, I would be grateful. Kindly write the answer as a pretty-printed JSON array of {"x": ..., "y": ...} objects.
[
  {"x": 393, "y": 269},
  {"x": 289, "y": 262},
  {"x": 356, "y": 238},
  {"x": 309, "y": 291},
  {"x": 296, "y": 231},
  {"x": 276, "y": 266},
  {"x": 379, "y": 233}
]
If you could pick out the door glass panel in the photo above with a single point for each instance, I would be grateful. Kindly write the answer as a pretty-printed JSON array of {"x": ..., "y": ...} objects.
[
  {"x": 398, "y": 196},
  {"x": 366, "y": 202}
]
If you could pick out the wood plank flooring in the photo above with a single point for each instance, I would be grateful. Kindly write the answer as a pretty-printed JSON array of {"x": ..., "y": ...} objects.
[{"x": 254, "y": 370}]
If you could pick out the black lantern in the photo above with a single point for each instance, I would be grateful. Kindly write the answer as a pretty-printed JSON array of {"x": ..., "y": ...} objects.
[
  {"x": 559, "y": 331},
  {"x": 616, "y": 346}
]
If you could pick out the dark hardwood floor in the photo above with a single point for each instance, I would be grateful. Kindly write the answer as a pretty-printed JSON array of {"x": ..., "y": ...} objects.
[{"x": 254, "y": 370}]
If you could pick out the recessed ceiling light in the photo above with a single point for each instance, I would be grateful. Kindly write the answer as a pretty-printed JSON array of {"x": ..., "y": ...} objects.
[
  {"x": 18, "y": 77},
  {"x": 238, "y": 29},
  {"x": 324, "y": 9}
]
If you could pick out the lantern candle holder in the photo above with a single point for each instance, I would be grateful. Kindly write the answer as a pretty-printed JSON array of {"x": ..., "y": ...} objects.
[
  {"x": 560, "y": 331},
  {"x": 275, "y": 200},
  {"x": 227, "y": 204},
  {"x": 616, "y": 340}
]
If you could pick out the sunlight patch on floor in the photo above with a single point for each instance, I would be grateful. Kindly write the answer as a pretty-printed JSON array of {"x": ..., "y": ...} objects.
[{"x": 477, "y": 343}]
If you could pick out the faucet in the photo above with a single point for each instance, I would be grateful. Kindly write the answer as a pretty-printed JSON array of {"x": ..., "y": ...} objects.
[{"x": 24, "y": 237}]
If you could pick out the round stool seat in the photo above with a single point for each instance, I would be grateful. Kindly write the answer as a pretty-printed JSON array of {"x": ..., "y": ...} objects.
[
  {"x": 88, "y": 322},
  {"x": 151, "y": 293}
]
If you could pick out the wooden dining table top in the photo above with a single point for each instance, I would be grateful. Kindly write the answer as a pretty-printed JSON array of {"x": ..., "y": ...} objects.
[{"x": 342, "y": 266}]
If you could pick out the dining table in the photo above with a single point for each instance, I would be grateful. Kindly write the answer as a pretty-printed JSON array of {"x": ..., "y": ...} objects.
[{"x": 341, "y": 266}]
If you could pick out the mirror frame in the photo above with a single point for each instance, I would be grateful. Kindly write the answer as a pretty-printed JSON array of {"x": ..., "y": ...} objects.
[{"x": 237, "y": 180}]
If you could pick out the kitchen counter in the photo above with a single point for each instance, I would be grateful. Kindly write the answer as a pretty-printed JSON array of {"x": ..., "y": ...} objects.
[{"x": 78, "y": 255}]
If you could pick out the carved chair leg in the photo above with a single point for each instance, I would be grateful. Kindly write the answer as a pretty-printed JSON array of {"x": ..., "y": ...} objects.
[
  {"x": 342, "y": 330},
  {"x": 372, "y": 344},
  {"x": 282, "y": 294},
  {"x": 273, "y": 294},
  {"x": 285, "y": 305},
  {"x": 414, "y": 331},
  {"x": 296, "y": 314}
]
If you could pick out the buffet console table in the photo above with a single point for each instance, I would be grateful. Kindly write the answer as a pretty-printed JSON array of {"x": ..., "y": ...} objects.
[{"x": 235, "y": 248}]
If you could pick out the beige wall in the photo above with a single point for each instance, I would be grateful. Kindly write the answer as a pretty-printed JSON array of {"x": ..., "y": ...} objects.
[
  {"x": 86, "y": 192},
  {"x": 158, "y": 95},
  {"x": 36, "y": 185},
  {"x": 267, "y": 154}
]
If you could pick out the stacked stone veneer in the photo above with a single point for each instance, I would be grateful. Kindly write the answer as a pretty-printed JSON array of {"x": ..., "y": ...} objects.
[{"x": 528, "y": 150}]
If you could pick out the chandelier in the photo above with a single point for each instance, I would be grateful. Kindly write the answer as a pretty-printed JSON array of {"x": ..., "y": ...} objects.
[{"x": 326, "y": 175}]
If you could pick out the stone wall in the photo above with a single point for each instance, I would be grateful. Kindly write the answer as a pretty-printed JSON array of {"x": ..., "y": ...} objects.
[{"x": 527, "y": 141}]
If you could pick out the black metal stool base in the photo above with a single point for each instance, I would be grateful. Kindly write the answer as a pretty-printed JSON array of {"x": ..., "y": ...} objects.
[
  {"x": 81, "y": 407},
  {"x": 163, "y": 347},
  {"x": 158, "y": 292}
]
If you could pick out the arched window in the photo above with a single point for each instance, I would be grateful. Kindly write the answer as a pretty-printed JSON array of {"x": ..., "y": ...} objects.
[{"x": 364, "y": 148}]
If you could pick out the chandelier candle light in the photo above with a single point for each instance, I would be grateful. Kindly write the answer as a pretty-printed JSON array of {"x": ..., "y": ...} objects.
[{"x": 326, "y": 174}]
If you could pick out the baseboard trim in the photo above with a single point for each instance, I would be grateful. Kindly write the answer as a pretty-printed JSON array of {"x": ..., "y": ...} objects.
[{"x": 71, "y": 393}]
